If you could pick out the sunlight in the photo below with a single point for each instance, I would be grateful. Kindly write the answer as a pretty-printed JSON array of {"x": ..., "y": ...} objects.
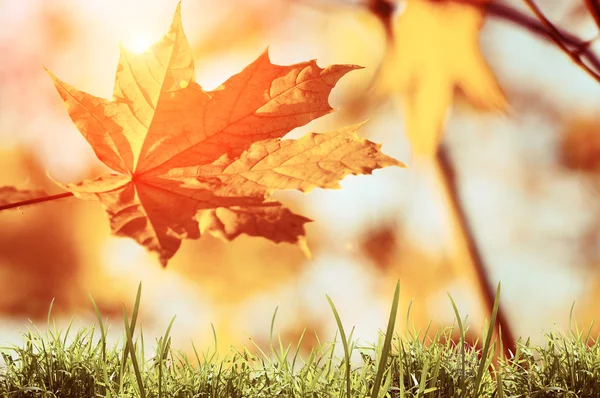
[
  {"x": 125, "y": 255},
  {"x": 138, "y": 43}
]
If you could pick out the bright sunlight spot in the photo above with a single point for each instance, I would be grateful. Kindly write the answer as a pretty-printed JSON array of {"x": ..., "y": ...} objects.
[
  {"x": 124, "y": 255},
  {"x": 137, "y": 44}
]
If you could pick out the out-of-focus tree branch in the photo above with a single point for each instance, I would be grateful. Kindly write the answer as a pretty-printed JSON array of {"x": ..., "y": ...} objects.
[
  {"x": 559, "y": 39},
  {"x": 593, "y": 7},
  {"x": 576, "y": 48},
  {"x": 384, "y": 10},
  {"x": 534, "y": 26}
]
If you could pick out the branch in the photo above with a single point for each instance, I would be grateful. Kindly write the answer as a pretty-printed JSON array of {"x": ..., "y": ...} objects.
[
  {"x": 537, "y": 27},
  {"x": 559, "y": 39},
  {"x": 593, "y": 7},
  {"x": 468, "y": 243},
  {"x": 36, "y": 200},
  {"x": 383, "y": 10}
]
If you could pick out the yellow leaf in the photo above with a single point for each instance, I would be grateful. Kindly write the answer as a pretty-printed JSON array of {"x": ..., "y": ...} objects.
[
  {"x": 435, "y": 51},
  {"x": 315, "y": 160}
]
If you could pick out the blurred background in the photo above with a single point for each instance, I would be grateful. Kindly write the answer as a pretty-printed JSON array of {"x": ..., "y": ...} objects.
[{"x": 519, "y": 121}]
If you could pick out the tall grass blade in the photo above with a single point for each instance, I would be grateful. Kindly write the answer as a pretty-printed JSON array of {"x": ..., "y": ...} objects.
[
  {"x": 101, "y": 326},
  {"x": 387, "y": 344},
  {"x": 136, "y": 307},
  {"x": 50, "y": 311},
  {"x": 133, "y": 356},
  {"x": 163, "y": 350},
  {"x": 461, "y": 329},
  {"x": 487, "y": 342},
  {"x": 423, "y": 378},
  {"x": 345, "y": 345},
  {"x": 298, "y": 346}
]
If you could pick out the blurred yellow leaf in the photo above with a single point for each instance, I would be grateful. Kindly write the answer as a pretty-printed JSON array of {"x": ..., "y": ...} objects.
[{"x": 435, "y": 51}]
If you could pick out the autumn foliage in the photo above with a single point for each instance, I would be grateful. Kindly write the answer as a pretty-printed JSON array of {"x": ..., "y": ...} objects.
[
  {"x": 425, "y": 73},
  {"x": 191, "y": 161}
]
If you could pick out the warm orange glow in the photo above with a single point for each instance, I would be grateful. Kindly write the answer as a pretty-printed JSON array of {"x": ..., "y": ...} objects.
[
  {"x": 533, "y": 210},
  {"x": 138, "y": 44},
  {"x": 169, "y": 145}
]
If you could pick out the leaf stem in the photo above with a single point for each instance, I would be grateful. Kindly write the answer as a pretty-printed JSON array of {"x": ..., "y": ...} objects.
[{"x": 36, "y": 200}]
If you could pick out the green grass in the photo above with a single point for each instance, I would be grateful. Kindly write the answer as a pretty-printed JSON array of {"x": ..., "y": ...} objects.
[{"x": 81, "y": 364}]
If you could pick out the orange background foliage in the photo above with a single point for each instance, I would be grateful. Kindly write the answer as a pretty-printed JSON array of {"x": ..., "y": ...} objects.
[{"x": 528, "y": 185}]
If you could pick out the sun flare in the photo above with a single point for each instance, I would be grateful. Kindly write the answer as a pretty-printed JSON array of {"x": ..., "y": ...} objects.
[{"x": 137, "y": 44}]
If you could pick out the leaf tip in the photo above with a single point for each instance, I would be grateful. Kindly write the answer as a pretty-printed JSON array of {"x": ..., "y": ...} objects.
[
  {"x": 49, "y": 72},
  {"x": 303, "y": 245},
  {"x": 177, "y": 15},
  {"x": 162, "y": 257},
  {"x": 163, "y": 262},
  {"x": 400, "y": 164}
]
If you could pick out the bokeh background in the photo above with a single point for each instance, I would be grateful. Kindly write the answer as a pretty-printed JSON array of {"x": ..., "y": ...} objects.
[{"x": 527, "y": 177}]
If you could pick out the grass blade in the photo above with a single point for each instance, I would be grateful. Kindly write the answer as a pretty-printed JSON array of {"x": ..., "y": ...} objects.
[
  {"x": 136, "y": 308},
  {"x": 101, "y": 326},
  {"x": 387, "y": 343},
  {"x": 129, "y": 330},
  {"x": 163, "y": 349},
  {"x": 134, "y": 362},
  {"x": 461, "y": 329},
  {"x": 487, "y": 342},
  {"x": 345, "y": 345}
]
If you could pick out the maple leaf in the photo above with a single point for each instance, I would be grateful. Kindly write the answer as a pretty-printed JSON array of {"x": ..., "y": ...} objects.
[
  {"x": 186, "y": 154},
  {"x": 435, "y": 51}
]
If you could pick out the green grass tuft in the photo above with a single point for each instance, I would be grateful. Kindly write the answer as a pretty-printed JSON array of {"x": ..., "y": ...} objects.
[{"x": 81, "y": 364}]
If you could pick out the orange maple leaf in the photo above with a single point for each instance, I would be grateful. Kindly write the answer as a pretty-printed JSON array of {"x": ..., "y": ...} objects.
[{"x": 186, "y": 154}]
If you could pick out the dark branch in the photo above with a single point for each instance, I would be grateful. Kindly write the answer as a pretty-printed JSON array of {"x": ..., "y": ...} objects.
[
  {"x": 384, "y": 11},
  {"x": 559, "y": 39},
  {"x": 35, "y": 200},
  {"x": 593, "y": 7},
  {"x": 486, "y": 288}
]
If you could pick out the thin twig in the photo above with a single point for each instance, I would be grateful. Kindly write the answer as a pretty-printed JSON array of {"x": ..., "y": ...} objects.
[
  {"x": 533, "y": 25},
  {"x": 558, "y": 38},
  {"x": 508, "y": 14},
  {"x": 36, "y": 200},
  {"x": 384, "y": 12}
]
